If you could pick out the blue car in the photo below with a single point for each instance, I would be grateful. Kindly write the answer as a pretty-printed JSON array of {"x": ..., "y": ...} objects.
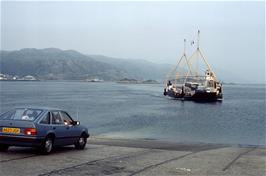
[{"x": 44, "y": 128}]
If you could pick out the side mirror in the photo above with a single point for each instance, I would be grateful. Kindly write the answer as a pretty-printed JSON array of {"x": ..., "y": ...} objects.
[{"x": 76, "y": 122}]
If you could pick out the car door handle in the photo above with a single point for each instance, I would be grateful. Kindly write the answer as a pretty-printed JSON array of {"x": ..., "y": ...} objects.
[
  {"x": 54, "y": 128},
  {"x": 67, "y": 127}
]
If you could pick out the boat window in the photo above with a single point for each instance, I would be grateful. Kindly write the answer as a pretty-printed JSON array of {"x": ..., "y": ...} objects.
[
  {"x": 210, "y": 84},
  {"x": 46, "y": 119}
]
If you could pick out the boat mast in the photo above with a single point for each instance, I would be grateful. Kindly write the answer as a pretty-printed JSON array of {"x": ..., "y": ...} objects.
[
  {"x": 205, "y": 61},
  {"x": 187, "y": 62},
  {"x": 198, "y": 54},
  {"x": 197, "y": 71},
  {"x": 183, "y": 56}
]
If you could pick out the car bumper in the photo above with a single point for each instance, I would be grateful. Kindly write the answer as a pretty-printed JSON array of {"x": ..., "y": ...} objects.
[{"x": 28, "y": 141}]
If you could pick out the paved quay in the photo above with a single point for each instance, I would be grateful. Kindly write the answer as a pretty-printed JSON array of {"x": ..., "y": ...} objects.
[{"x": 137, "y": 157}]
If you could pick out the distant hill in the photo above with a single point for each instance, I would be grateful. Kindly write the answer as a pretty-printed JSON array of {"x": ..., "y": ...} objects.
[
  {"x": 137, "y": 68},
  {"x": 57, "y": 64}
]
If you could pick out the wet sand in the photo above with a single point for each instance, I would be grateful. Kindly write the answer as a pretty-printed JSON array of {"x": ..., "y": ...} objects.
[{"x": 104, "y": 156}]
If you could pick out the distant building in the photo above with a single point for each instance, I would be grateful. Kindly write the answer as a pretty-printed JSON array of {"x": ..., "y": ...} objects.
[
  {"x": 3, "y": 77},
  {"x": 29, "y": 78},
  {"x": 15, "y": 78},
  {"x": 94, "y": 80}
]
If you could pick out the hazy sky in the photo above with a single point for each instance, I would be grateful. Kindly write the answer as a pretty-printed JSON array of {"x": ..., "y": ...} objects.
[{"x": 232, "y": 33}]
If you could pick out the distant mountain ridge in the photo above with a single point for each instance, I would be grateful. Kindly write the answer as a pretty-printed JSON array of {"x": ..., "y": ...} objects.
[
  {"x": 141, "y": 69},
  {"x": 57, "y": 64}
]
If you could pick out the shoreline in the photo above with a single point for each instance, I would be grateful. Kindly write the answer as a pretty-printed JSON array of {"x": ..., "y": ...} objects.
[
  {"x": 51, "y": 80},
  {"x": 127, "y": 157},
  {"x": 162, "y": 144}
]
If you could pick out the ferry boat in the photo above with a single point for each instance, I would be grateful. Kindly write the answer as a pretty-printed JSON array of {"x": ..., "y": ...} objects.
[{"x": 191, "y": 79}]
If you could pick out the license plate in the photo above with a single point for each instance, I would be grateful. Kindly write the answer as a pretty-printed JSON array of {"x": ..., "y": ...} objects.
[{"x": 10, "y": 130}]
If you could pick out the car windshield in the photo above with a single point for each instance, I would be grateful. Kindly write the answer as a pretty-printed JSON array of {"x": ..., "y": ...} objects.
[{"x": 21, "y": 114}]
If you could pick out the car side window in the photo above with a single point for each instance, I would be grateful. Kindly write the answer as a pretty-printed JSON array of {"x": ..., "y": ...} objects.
[
  {"x": 66, "y": 118},
  {"x": 46, "y": 119},
  {"x": 56, "y": 118}
]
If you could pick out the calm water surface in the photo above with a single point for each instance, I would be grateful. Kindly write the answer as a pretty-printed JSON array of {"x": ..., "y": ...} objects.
[{"x": 141, "y": 111}]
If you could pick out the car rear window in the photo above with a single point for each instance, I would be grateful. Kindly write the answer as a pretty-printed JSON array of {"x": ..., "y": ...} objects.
[{"x": 21, "y": 114}]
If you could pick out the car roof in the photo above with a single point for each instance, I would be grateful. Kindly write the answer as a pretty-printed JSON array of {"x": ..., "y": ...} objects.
[{"x": 39, "y": 107}]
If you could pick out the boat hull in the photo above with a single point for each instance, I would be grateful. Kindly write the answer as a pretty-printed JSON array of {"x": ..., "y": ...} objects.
[
  {"x": 205, "y": 96},
  {"x": 198, "y": 96},
  {"x": 173, "y": 94}
]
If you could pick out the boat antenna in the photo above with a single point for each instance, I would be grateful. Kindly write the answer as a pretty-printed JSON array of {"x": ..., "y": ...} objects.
[
  {"x": 184, "y": 47},
  {"x": 77, "y": 113},
  {"x": 198, "y": 39}
]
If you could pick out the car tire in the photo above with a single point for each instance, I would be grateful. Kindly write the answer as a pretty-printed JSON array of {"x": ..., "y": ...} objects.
[
  {"x": 47, "y": 146},
  {"x": 81, "y": 143},
  {"x": 3, "y": 147}
]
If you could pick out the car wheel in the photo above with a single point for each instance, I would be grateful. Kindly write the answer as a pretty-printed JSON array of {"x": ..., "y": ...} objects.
[
  {"x": 3, "y": 147},
  {"x": 47, "y": 145},
  {"x": 81, "y": 143}
]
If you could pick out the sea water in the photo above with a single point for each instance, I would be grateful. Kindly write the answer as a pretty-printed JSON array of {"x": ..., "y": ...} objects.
[{"x": 141, "y": 111}]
